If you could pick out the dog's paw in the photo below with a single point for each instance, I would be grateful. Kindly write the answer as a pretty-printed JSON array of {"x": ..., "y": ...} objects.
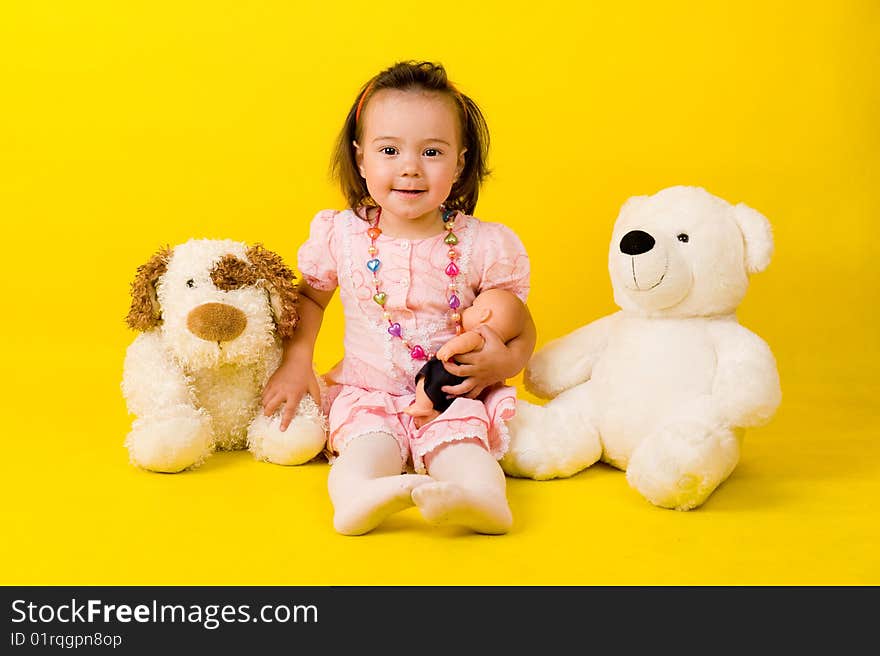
[
  {"x": 303, "y": 439},
  {"x": 169, "y": 444}
]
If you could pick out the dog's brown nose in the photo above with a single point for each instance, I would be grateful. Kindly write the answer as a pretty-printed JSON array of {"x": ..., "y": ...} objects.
[{"x": 216, "y": 322}]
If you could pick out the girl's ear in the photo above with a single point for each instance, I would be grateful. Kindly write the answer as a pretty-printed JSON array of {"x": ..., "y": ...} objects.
[
  {"x": 145, "y": 313},
  {"x": 460, "y": 165},
  {"x": 359, "y": 158}
]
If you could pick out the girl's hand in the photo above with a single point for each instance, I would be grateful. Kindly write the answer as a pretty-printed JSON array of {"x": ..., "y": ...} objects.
[
  {"x": 482, "y": 367},
  {"x": 288, "y": 384}
]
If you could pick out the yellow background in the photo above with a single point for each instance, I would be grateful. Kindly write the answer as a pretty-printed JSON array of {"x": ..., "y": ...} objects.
[{"x": 128, "y": 125}]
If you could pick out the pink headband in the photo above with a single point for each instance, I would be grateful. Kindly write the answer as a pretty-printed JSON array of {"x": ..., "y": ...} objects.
[
  {"x": 357, "y": 113},
  {"x": 360, "y": 105}
]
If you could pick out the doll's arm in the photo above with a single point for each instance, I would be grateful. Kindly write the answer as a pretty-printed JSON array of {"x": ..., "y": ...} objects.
[
  {"x": 465, "y": 343},
  {"x": 746, "y": 390},
  {"x": 568, "y": 360},
  {"x": 495, "y": 362},
  {"x": 422, "y": 409}
]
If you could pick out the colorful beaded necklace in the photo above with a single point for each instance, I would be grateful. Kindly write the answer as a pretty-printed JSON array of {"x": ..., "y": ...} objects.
[{"x": 417, "y": 351}]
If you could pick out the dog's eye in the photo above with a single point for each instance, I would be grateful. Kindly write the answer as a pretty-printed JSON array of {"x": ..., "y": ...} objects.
[
  {"x": 190, "y": 283},
  {"x": 683, "y": 238}
]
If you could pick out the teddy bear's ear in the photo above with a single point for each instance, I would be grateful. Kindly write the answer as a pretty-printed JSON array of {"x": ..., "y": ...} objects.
[
  {"x": 145, "y": 312},
  {"x": 279, "y": 280},
  {"x": 757, "y": 237},
  {"x": 632, "y": 204}
]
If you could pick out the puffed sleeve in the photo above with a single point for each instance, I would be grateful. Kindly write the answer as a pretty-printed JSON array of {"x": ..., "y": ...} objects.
[
  {"x": 505, "y": 261},
  {"x": 316, "y": 258}
]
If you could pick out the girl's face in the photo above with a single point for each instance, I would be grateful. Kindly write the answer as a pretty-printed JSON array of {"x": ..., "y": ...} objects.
[{"x": 410, "y": 153}]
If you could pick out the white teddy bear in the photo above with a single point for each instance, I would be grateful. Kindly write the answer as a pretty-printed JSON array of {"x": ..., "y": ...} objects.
[
  {"x": 663, "y": 388},
  {"x": 212, "y": 314}
]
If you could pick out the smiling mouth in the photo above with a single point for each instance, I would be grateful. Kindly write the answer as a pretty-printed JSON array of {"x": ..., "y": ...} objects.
[
  {"x": 636, "y": 280},
  {"x": 410, "y": 192}
]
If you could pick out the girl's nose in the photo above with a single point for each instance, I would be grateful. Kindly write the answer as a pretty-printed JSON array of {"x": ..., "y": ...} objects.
[{"x": 410, "y": 165}]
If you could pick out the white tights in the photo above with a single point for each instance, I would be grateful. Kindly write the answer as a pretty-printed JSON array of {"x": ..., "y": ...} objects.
[{"x": 464, "y": 486}]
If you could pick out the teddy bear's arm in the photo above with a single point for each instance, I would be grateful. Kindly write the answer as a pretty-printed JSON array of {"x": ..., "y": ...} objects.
[
  {"x": 568, "y": 360},
  {"x": 151, "y": 381},
  {"x": 746, "y": 384}
]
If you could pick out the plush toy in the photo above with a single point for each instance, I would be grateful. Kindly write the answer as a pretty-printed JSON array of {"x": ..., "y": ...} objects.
[
  {"x": 212, "y": 314},
  {"x": 663, "y": 388}
]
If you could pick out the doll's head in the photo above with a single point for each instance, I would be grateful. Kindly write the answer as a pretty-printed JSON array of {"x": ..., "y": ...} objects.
[
  {"x": 433, "y": 377},
  {"x": 412, "y": 142},
  {"x": 499, "y": 309}
]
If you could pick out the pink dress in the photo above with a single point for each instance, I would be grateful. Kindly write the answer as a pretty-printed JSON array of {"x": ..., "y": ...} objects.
[{"x": 375, "y": 381}]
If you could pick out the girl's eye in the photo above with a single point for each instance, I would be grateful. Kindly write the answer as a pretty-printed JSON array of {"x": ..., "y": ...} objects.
[
  {"x": 190, "y": 283},
  {"x": 389, "y": 150},
  {"x": 432, "y": 152},
  {"x": 683, "y": 238}
]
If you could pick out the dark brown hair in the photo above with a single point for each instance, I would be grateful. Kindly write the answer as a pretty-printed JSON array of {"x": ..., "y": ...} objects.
[{"x": 416, "y": 76}]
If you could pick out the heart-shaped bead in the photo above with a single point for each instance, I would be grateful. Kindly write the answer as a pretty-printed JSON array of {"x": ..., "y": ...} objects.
[
  {"x": 451, "y": 239},
  {"x": 380, "y": 298},
  {"x": 394, "y": 329},
  {"x": 452, "y": 269},
  {"x": 373, "y": 265},
  {"x": 373, "y": 233},
  {"x": 418, "y": 353},
  {"x": 454, "y": 302}
]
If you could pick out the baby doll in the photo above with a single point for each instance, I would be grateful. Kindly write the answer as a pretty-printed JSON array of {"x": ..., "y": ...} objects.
[{"x": 497, "y": 310}]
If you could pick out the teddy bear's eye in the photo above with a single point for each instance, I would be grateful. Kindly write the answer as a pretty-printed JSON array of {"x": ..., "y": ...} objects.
[
  {"x": 190, "y": 283},
  {"x": 683, "y": 238}
]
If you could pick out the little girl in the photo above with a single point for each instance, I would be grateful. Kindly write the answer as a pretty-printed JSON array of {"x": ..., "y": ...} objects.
[{"x": 407, "y": 257}]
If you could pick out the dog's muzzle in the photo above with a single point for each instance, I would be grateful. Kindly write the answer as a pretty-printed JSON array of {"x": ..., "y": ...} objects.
[{"x": 216, "y": 322}]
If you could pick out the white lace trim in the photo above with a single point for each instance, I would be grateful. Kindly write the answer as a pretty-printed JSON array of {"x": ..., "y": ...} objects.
[
  {"x": 465, "y": 248},
  {"x": 428, "y": 333},
  {"x": 504, "y": 438},
  {"x": 348, "y": 261}
]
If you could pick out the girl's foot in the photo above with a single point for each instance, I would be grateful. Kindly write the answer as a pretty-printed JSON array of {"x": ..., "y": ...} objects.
[
  {"x": 443, "y": 502},
  {"x": 369, "y": 501}
]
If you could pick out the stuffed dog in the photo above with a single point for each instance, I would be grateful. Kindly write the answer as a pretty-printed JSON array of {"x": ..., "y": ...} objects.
[{"x": 211, "y": 316}]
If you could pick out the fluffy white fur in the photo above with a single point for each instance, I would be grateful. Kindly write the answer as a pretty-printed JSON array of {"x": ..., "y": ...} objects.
[
  {"x": 192, "y": 396},
  {"x": 663, "y": 388}
]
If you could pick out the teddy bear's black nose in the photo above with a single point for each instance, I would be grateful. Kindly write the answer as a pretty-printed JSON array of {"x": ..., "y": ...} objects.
[{"x": 636, "y": 242}]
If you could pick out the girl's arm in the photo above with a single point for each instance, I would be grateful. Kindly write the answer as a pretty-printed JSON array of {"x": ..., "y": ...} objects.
[
  {"x": 295, "y": 375},
  {"x": 495, "y": 362}
]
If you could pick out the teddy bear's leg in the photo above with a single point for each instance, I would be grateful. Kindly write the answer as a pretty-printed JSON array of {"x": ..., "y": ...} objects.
[
  {"x": 302, "y": 441},
  {"x": 682, "y": 463},
  {"x": 555, "y": 440},
  {"x": 176, "y": 440}
]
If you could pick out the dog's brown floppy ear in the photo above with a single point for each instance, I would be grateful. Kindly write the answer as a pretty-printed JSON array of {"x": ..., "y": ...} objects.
[
  {"x": 280, "y": 285},
  {"x": 145, "y": 313}
]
